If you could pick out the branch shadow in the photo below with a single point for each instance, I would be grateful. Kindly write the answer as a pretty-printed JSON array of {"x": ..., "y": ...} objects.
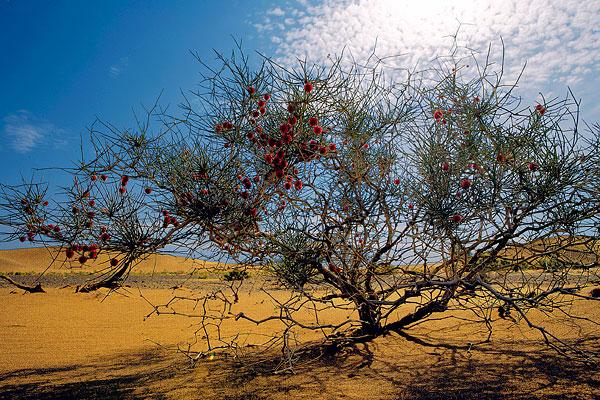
[
  {"x": 120, "y": 377},
  {"x": 392, "y": 367}
]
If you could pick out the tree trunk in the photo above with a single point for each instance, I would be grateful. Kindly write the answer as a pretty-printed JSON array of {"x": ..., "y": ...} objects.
[{"x": 370, "y": 319}]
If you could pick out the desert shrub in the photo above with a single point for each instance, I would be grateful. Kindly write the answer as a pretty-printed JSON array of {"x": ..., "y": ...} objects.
[
  {"x": 355, "y": 190},
  {"x": 236, "y": 275}
]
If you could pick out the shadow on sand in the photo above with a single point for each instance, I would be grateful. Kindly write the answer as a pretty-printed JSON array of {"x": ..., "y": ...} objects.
[{"x": 395, "y": 368}]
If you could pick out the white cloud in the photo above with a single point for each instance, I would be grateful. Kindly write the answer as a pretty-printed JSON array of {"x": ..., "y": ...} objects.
[
  {"x": 558, "y": 39},
  {"x": 117, "y": 69},
  {"x": 277, "y": 11},
  {"x": 23, "y": 132}
]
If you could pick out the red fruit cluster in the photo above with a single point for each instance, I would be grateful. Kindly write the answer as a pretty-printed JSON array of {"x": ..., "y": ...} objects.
[
  {"x": 104, "y": 236},
  {"x": 169, "y": 220},
  {"x": 86, "y": 252},
  {"x": 223, "y": 127}
]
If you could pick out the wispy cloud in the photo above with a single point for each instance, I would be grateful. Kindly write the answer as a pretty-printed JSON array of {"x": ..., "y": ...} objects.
[
  {"x": 117, "y": 69},
  {"x": 558, "y": 39},
  {"x": 23, "y": 132}
]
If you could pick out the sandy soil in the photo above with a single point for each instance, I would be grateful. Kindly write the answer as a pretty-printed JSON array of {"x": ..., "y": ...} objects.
[{"x": 62, "y": 344}]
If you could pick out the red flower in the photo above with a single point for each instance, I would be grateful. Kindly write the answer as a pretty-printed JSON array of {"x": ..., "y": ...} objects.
[
  {"x": 148, "y": 190},
  {"x": 411, "y": 206},
  {"x": 533, "y": 166},
  {"x": 104, "y": 178},
  {"x": 396, "y": 181},
  {"x": 269, "y": 158},
  {"x": 93, "y": 178},
  {"x": 540, "y": 109},
  {"x": 291, "y": 108},
  {"x": 122, "y": 190},
  {"x": 92, "y": 203},
  {"x": 69, "y": 253},
  {"x": 308, "y": 87},
  {"x": 457, "y": 218},
  {"x": 124, "y": 180},
  {"x": 501, "y": 158},
  {"x": 261, "y": 103},
  {"x": 313, "y": 121},
  {"x": 445, "y": 166},
  {"x": 285, "y": 128},
  {"x": 251, "y": 90},
  {"x": 318, "y": 130},
  {"x": 298, "y": 184},
  {"x": 287, "y": 185},
  {"x": 438, "y": 114},
  {"x": 266, "y": 96},
  {"x": 82, "y": 259},
  {"x": 465, "y": 183},
  {"x": 218, "y": 128},
  {"x": 227, "y": 125},
  {"x": 332, "y": 147}
]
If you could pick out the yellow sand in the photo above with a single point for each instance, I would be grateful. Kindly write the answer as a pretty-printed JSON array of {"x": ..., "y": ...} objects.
[{"x": 65, "y": 344}]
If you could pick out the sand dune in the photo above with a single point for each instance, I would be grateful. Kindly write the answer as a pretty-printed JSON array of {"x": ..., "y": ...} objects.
[{"x": 36, "y": 260}]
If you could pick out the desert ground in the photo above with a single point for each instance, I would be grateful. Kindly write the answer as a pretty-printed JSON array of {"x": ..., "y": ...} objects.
[{"x": 62, "y": 344}]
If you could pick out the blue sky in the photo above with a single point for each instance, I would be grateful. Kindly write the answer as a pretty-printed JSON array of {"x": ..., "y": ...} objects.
[{"x": 66, "y": 62}]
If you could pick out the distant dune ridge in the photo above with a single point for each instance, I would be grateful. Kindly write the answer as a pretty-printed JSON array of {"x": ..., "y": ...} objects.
[
  {"x": 35, "y": 260},
  {"x": 31, "y": 260}
]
